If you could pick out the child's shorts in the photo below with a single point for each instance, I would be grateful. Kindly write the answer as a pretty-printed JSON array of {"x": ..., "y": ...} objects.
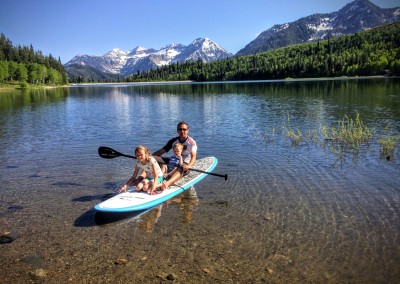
[{"x": 160, "y": 179}]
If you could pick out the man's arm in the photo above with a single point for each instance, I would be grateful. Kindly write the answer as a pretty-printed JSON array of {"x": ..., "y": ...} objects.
[
  {"x": 191, "y": 162},
  {"x": 166, "y": 148},
  {"x": 159, "y": 152}
]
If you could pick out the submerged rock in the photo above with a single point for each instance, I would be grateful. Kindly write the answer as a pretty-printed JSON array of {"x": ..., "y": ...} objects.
[
  {"x": 277, "y": 261},
  {"x": 171, "y": 277},
  {"x": 40, "y": 273},
  {"x": 6, "y": 239},
  {"x": 121, "y": 261},
  {"x": 34, "y": 260}
]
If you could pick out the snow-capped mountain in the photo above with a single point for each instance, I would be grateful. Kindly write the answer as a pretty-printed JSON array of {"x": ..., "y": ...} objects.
[
  {"x": 354, "y": 17},
  {"x": 124, "y": 63},
  {"x": 202, "y": 49}
]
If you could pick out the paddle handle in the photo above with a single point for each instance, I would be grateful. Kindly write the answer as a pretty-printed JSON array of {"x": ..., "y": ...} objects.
[
  {"x": 212, "y": 174},
  {"x": 133, "y": 157}
]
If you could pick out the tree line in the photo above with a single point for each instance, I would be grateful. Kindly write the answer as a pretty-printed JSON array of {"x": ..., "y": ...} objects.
[
  {"x": 369, "y": 53},
  {"x": 24, "y": 64}
]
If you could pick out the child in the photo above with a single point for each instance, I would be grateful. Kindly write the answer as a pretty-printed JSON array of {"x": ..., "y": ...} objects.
[
  {"x": 153, "y": 176},
  {"x": 174, "y": 162}
]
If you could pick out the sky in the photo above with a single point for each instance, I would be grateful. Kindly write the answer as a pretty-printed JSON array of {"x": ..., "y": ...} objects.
[{"x": 66, "y": 28}]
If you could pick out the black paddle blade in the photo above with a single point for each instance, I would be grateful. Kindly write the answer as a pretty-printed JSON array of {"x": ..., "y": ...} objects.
[{"x": 108, "y": 153}]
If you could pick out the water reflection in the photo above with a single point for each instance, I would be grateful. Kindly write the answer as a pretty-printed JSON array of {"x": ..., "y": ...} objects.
[
  {"x": 187, "y": 202},
  {"x": 287, "y": 211},
  {"x": 17, "y": 99}
]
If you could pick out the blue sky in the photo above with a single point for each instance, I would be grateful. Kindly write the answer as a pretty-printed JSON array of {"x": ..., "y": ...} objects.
[{"x": 65, "y": 28}]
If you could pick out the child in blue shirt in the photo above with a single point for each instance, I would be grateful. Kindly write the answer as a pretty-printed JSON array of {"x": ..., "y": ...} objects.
[{"x": 175, "y": 161}]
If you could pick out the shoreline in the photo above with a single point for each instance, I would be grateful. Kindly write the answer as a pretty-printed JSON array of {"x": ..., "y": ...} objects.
[
  {"x": 244, "y": 81},
  {"x": 12, "y": 87},
  {"x": 7, "y": 87}
]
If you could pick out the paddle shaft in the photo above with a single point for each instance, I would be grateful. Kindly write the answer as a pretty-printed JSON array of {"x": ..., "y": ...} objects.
[{"x": 108, "y": 153}]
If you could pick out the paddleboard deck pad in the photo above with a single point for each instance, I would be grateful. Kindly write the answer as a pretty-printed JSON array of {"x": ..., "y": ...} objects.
[{"x": 132, "y": 200}]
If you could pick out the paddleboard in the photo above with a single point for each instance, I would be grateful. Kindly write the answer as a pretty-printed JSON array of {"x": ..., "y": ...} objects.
[{"x": 131, "y": 200}]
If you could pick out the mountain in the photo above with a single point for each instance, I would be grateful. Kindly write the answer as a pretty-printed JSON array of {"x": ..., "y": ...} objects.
[
  {"x": 354, "y": 17},
  {"x": 89, "y": 73},
  {"x": 122, "y": 63}
]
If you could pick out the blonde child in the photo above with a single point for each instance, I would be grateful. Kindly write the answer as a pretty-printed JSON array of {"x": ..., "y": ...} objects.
[
  {"x": 174, "y": 161},
  {"x": 151, "y": 177}
]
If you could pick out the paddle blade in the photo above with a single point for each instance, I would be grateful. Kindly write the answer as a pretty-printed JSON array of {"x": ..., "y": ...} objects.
[{"x": 108, "y": 153}]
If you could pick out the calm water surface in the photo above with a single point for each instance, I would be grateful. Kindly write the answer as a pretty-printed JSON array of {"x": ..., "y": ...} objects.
[{"x": 286, "y": 214}]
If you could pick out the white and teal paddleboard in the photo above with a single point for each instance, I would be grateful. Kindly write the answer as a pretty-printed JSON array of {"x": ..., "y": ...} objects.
[{"x": 131, "y": 200}]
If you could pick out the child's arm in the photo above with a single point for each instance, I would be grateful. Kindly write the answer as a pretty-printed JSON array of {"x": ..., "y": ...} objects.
[
  {"x": 153, "y": 185},
  {"x": 139, "y": 178},
  {"x": 180, "y": 160},
  {"x": 131, "y": 181}
]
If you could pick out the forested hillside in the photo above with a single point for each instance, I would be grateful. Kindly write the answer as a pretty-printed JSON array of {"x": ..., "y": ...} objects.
[
  {"x": 374, "y": 52},
  {"x": 24, "y": 64}
]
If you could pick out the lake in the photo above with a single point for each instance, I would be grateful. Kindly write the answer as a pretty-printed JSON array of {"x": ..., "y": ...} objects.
[{"x": 313, "y": 211}]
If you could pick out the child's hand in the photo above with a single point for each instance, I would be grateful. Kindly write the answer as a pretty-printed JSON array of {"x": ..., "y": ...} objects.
[
  {"x": 180, "y": 160},
  {"x": 122, "y": 189},
  {"x": 153, "y": 190}
]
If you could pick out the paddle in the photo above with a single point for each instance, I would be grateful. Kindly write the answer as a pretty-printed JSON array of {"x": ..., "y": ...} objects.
[{"x": 108, "y": 153}]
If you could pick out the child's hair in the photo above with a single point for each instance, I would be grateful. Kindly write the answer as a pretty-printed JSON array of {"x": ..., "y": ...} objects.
[
  {"x": 146, "y": 151},
  {"x": 178, "y": 146}
]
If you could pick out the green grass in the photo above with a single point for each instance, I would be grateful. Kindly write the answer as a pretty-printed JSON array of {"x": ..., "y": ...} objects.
[
  {"x": 345, "y": 139},
  {"x": 388, "y": 143},
  {"x": 294, "y": 135},
  {"x": 348, "y": 132}
]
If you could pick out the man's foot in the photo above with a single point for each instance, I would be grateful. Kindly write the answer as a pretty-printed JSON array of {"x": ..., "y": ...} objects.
[{"x": 164, "y": 185}]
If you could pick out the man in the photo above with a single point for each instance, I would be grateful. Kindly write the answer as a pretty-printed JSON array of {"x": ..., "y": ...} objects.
[{"x": 189, "y": 152}]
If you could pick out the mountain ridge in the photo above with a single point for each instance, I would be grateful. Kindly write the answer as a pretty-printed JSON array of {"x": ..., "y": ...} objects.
[
  {"x": 356, "y": 16},
  {"x": 123, "y": 63}
]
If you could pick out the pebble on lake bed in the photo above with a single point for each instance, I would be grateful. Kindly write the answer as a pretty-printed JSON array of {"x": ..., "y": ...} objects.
[
  {"x": 7, "y": 237},
  {"x": 39, "y": 273},
  {"x": 121, "y": 261}
]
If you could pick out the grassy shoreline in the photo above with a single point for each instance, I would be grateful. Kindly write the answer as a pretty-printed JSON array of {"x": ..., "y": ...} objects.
[{"x": 17, "y": 86}]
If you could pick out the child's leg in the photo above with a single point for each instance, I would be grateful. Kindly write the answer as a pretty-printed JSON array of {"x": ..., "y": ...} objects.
[
  {"x": 137, "y": 181},
  {"x": 145, "y": 185},
  {"x": 158, "y": 185},
  {"x": 150, "y": 185},
  {"x": 141, "y": 185}
]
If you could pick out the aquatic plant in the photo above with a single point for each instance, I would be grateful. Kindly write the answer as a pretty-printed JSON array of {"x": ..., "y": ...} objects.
[
  {"x": 295, "y": 136},
  {"x": 313, "y": 136},
  {"x": 348, "y": 132},
  {"x": 347, "y": 140},
  {"x": 268, "y": 136},
  {"x": 388, "y": 143}
]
